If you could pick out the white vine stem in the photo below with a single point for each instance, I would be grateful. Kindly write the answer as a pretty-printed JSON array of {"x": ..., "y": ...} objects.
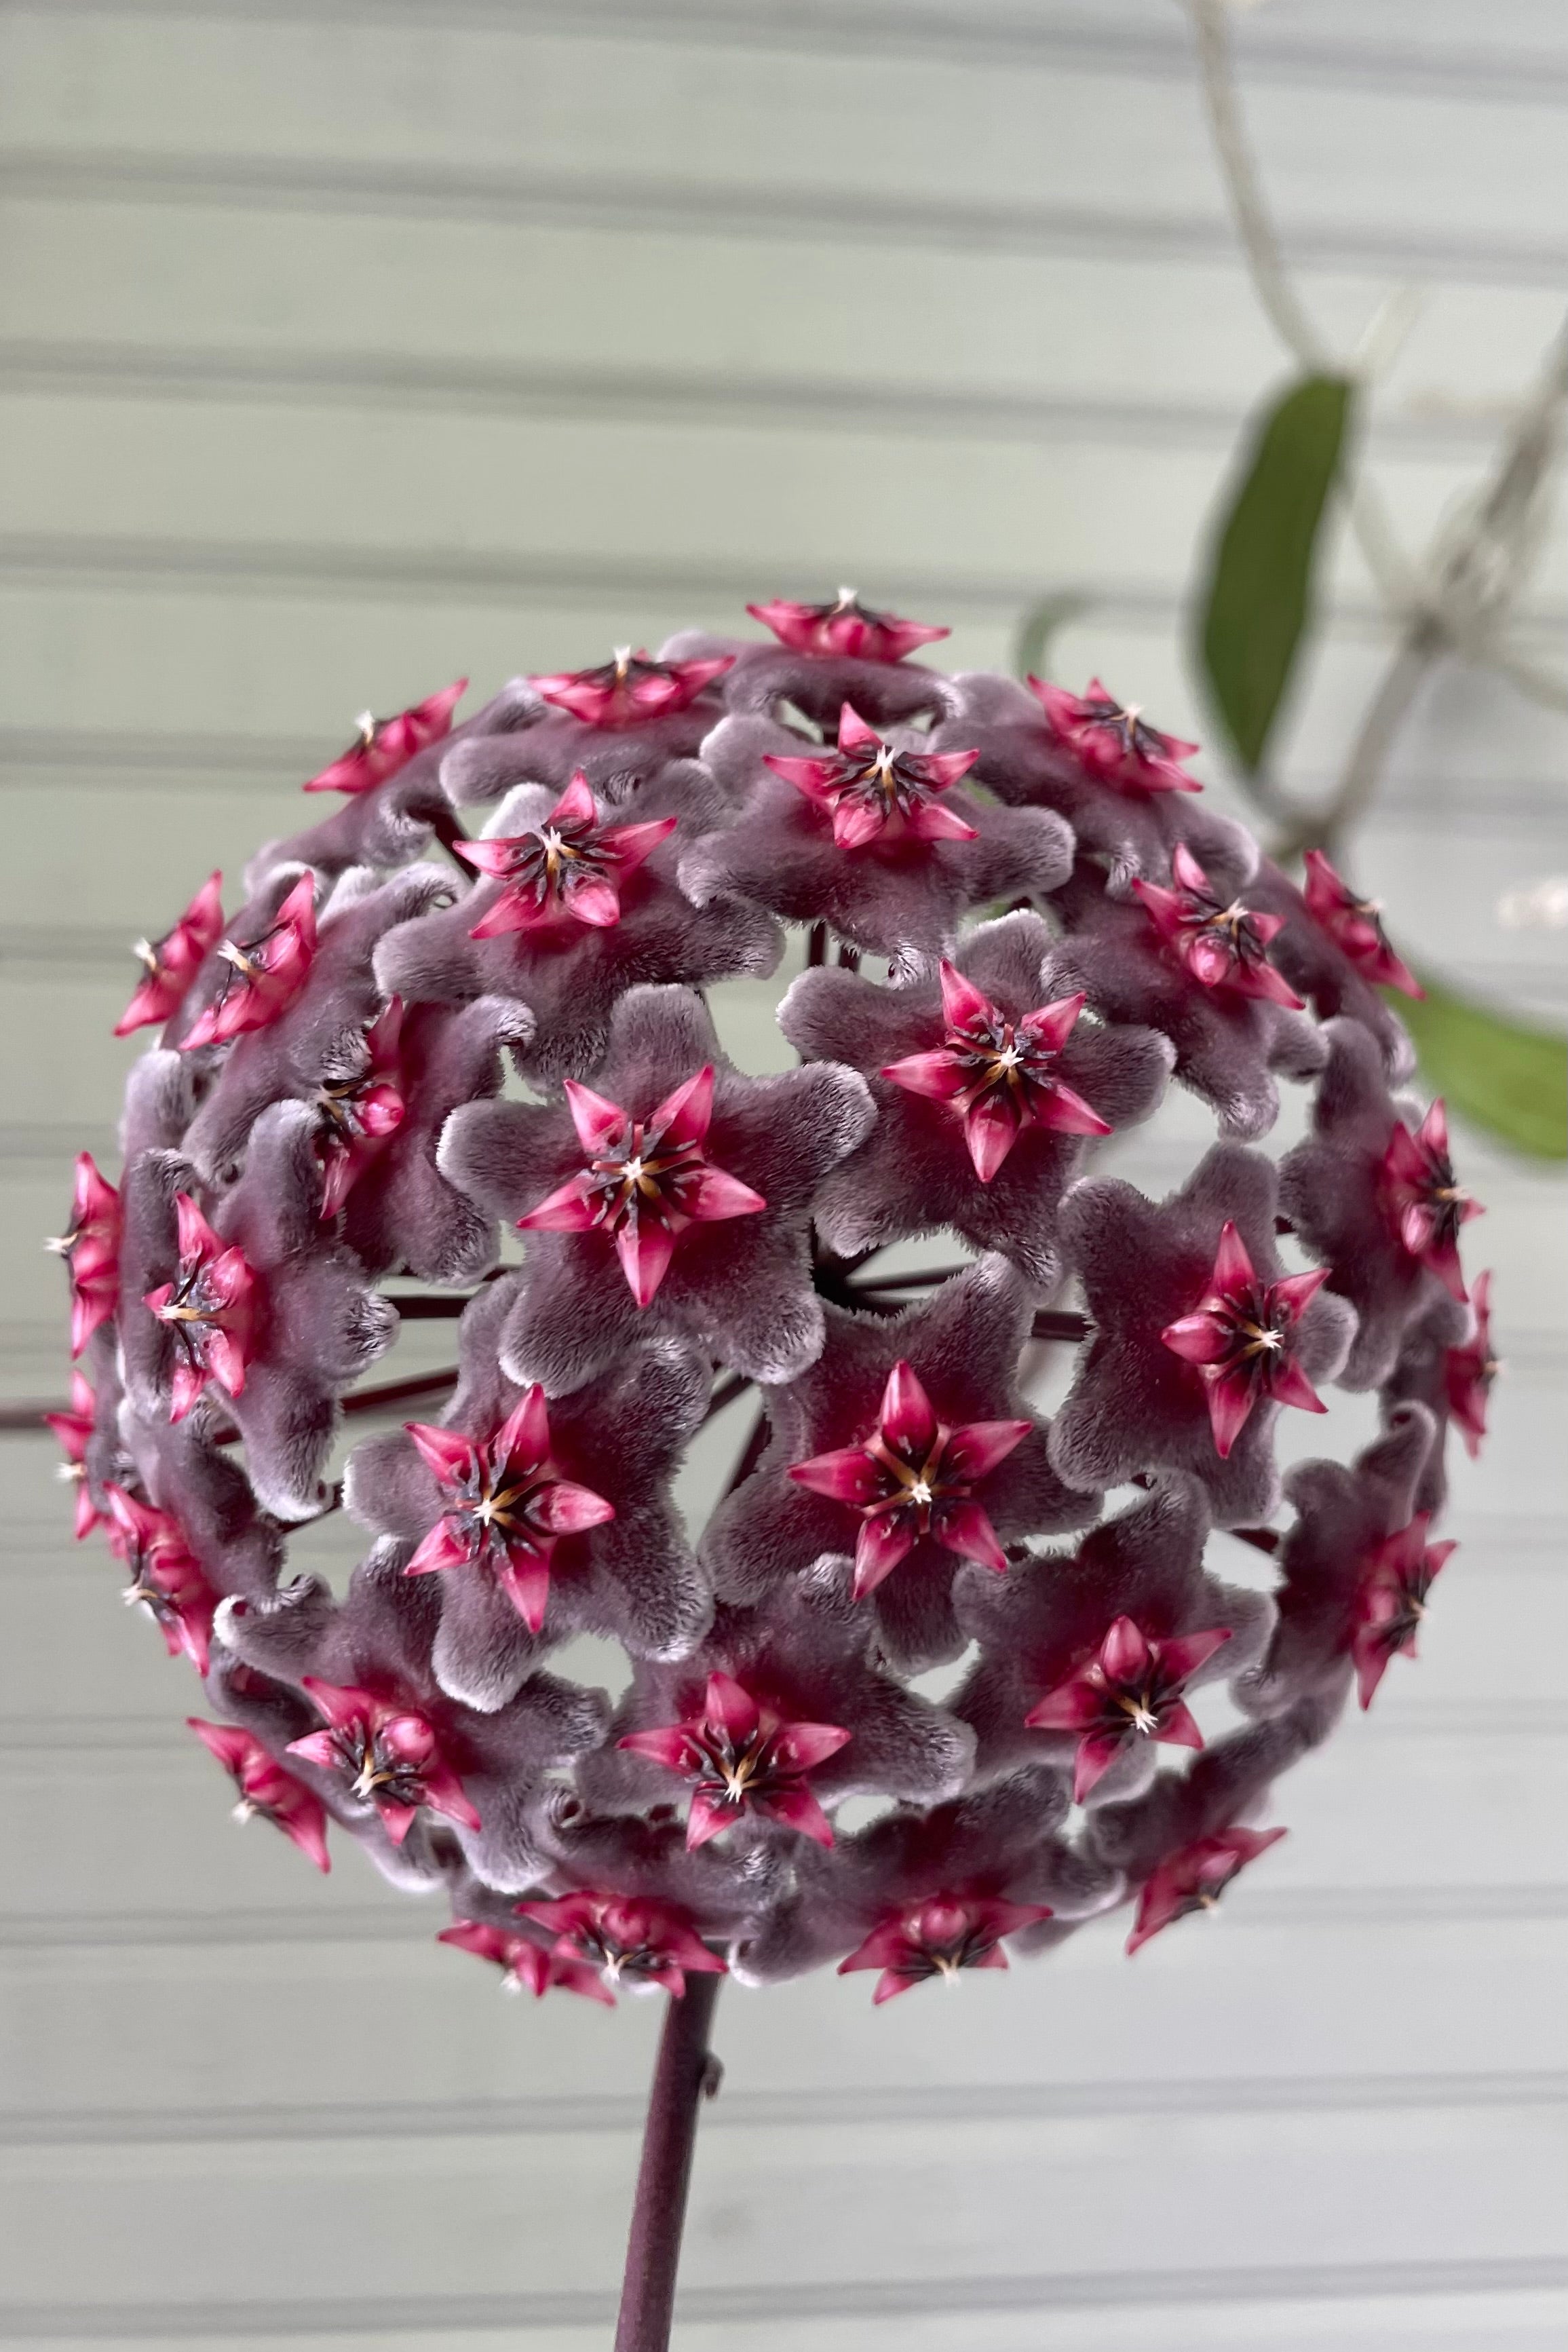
[{"x": 1474, "y": 573}]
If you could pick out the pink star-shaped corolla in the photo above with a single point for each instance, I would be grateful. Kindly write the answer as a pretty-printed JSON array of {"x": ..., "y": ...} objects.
[
  {"x": 1241, "y": 1337},
  {"x": 569, "y": 869},
  {"x": 386, "y": 1753},
  {"x": 1221, "y": 946},
  {"x": 1130, "y": 1689},
  {"x": 625, "y": 1940},
  {"x": 937, "y": 1937},
  {"x": 266, "y": 1793},
  {"x": 1195, "y": 1878},
  {"x": 358, "y": 1114},
  {"x": 630, "y": 687},
  {"x": 169, "y": 964},
  {"x": 90, "y": 1248},
  {"x": 525, "y": 1966},
  {"x": 262, "y": 978},
  {"x": 1355, "y": 927},
  {"x": 1112, "y": 741},
  {"x": 208, "y": 1311},
  {"x": 845, "y": 627},
  {"x": 1426, "y": 1205},
  {"x": 999, "y": 1075},
  {"x": 1470, "y": 1369},
  {"x": 914, "y": 1477},
  {"x": 873, "y": 792},
  {"x": 745, "y": 1758},
  {"x": 74, "y": 1430},
  {"x": 646, "y": 1179},
  {"x": 1392, "y": 1601},
  {"x": 166, "y": 1579},
  {"x": 382, "y": 746},
  {"x": 507, "y": 1506}
]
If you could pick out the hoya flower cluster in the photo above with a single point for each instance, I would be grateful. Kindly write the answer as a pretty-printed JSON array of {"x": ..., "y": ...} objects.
[{"x": 471, "y": 1002}]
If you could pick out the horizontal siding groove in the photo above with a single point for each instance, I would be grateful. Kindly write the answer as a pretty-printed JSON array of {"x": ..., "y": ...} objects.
[
  {"x": 978, "y": 35},
  {"x": 771, "y": 212},
  {"x": 329, "y": 570},
  {"x": 872, "y": 2106},
  {"x": 1382, "y": 1906},
  {"x": 910, "y": 2298},
  {"x": 971, "y": 412}
]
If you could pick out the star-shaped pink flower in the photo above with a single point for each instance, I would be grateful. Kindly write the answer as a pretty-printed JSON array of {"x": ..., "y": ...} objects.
[
  {"x": 382, "y": 746},
  {"x": 567, "y": 870},
  {"x": 508, "y": 1507},
  {"x": 208, "y": 1310},
  {"x": 90, "y": 1248},
  {"x": 166, "y": 1579},
  {"x": 1241, "y": 1336},
  {"x": 630, "y": 687},
  {"x": 645, "y": 1181},
  {"x": 266, "y": 1793},
  {"x": 997, "y": 1075},
  {"x": 260, "y": 977},
  {"x": 74, "y": 1430},
  {"x": 1195, "y": 1878},
  {"x": 745, "y": 1758},
  {"x": 171, "y": 963},
  {"x": 626, "y": 1940},
  {"x": 873, "y": 791},
  {"x": 845, "y": 627},
  {"x": 912, "y": 1477},
  {"x": 1355, "y": 927},
  {"x": 1392, "y": 1601},
  {"x": 1221, "y": 946},
  {"x": 1424, "y": 1204},
  {"x": 525, "y": 1966},
  {"x": 937, "y": 1937},
  {"x": 1470, "y": 1369},
  {"x": 1114, "y": 741},
  {"x": 358, "y": 1113},
  {"x": 387, "y": 1755},
  {"x": 1130, "y": 1689}
]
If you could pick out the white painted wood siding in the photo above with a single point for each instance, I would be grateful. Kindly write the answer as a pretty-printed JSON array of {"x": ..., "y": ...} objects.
[{"x": 348, "y": 344}]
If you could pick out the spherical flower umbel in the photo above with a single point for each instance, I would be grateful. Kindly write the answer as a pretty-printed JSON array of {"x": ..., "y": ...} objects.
[{"x": 427, "y": 1073}]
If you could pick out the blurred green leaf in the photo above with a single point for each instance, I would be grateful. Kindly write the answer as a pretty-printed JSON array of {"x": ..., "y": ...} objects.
[
  {"x": 1259, "y": 595},
  {"x": 1039, "y": 625},
  {"x": 1509, "y": 1076}
]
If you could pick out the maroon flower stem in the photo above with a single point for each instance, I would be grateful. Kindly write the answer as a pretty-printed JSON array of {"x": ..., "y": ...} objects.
[
  {"x": 685, "y": 2073},
  {"x": 397, "y": 1391},
  {"x": 1051, "y": 1323},
  {"x": 449, "y": 833},
  {"x": 927, "y": 1278},
  {"x": 725, "y": 1393}
]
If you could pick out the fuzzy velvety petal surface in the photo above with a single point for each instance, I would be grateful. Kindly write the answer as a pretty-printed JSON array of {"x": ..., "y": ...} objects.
[
  {"x": 1334, "y": 1188},
  {"x": 963, "y": 1345},
  {"x": 740, "y": 1287},
  {"x": 1228, "y": 1047},
  {"x": 896, "y": 892},
  {"x": 916, "y": 1172},
  {"x": 1136, "y": 1404}
]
